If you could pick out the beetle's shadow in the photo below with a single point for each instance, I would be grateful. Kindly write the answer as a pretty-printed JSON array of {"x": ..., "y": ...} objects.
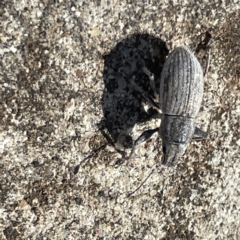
[{"x": 121, "y": 102}]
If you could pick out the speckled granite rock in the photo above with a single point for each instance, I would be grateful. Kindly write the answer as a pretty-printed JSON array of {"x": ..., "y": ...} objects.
[{"x": 69, "y": 113}]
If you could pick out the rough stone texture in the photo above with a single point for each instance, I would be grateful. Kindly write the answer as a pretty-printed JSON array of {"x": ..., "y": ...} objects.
[{"x": 69, "y": 111}]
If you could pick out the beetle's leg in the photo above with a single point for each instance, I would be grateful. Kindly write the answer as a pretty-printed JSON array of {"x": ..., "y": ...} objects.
[
  {"x": 147, "y": 98},
  {"x": 199, "y": 134},
  {"x": 208, "y": 58},
  {"x": 152, "y": 82},
  {"x": 207, "y": 63},
  {"x": 206, "y": 44},
  {"x": 149, "y": 175},
  {"x": 157, "y": 116},
  {"x": 151, "y": 78},
  {"x": 143, "y": 137}
]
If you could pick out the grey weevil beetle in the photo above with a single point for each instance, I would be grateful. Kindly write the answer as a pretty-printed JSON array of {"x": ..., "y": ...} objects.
[{"x": 181, "y": 93}]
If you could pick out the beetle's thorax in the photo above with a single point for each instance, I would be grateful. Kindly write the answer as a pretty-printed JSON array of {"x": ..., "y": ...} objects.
[
  {"x": 177, "y": 129},
  {"x": 176, "y": 132}
]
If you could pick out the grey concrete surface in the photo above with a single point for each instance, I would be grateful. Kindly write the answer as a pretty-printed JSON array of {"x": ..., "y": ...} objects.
[{"x": 69, "y": 113}]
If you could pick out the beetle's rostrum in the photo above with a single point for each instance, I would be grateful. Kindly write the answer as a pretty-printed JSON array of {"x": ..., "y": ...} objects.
[{"x": 181, "y": 93}]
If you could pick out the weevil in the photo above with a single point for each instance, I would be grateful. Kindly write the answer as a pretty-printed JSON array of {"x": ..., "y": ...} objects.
[{"x": 181, "y": 93}]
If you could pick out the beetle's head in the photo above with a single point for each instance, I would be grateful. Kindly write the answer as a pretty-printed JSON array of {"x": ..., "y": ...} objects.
[{"x": 172, "y": 152}]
